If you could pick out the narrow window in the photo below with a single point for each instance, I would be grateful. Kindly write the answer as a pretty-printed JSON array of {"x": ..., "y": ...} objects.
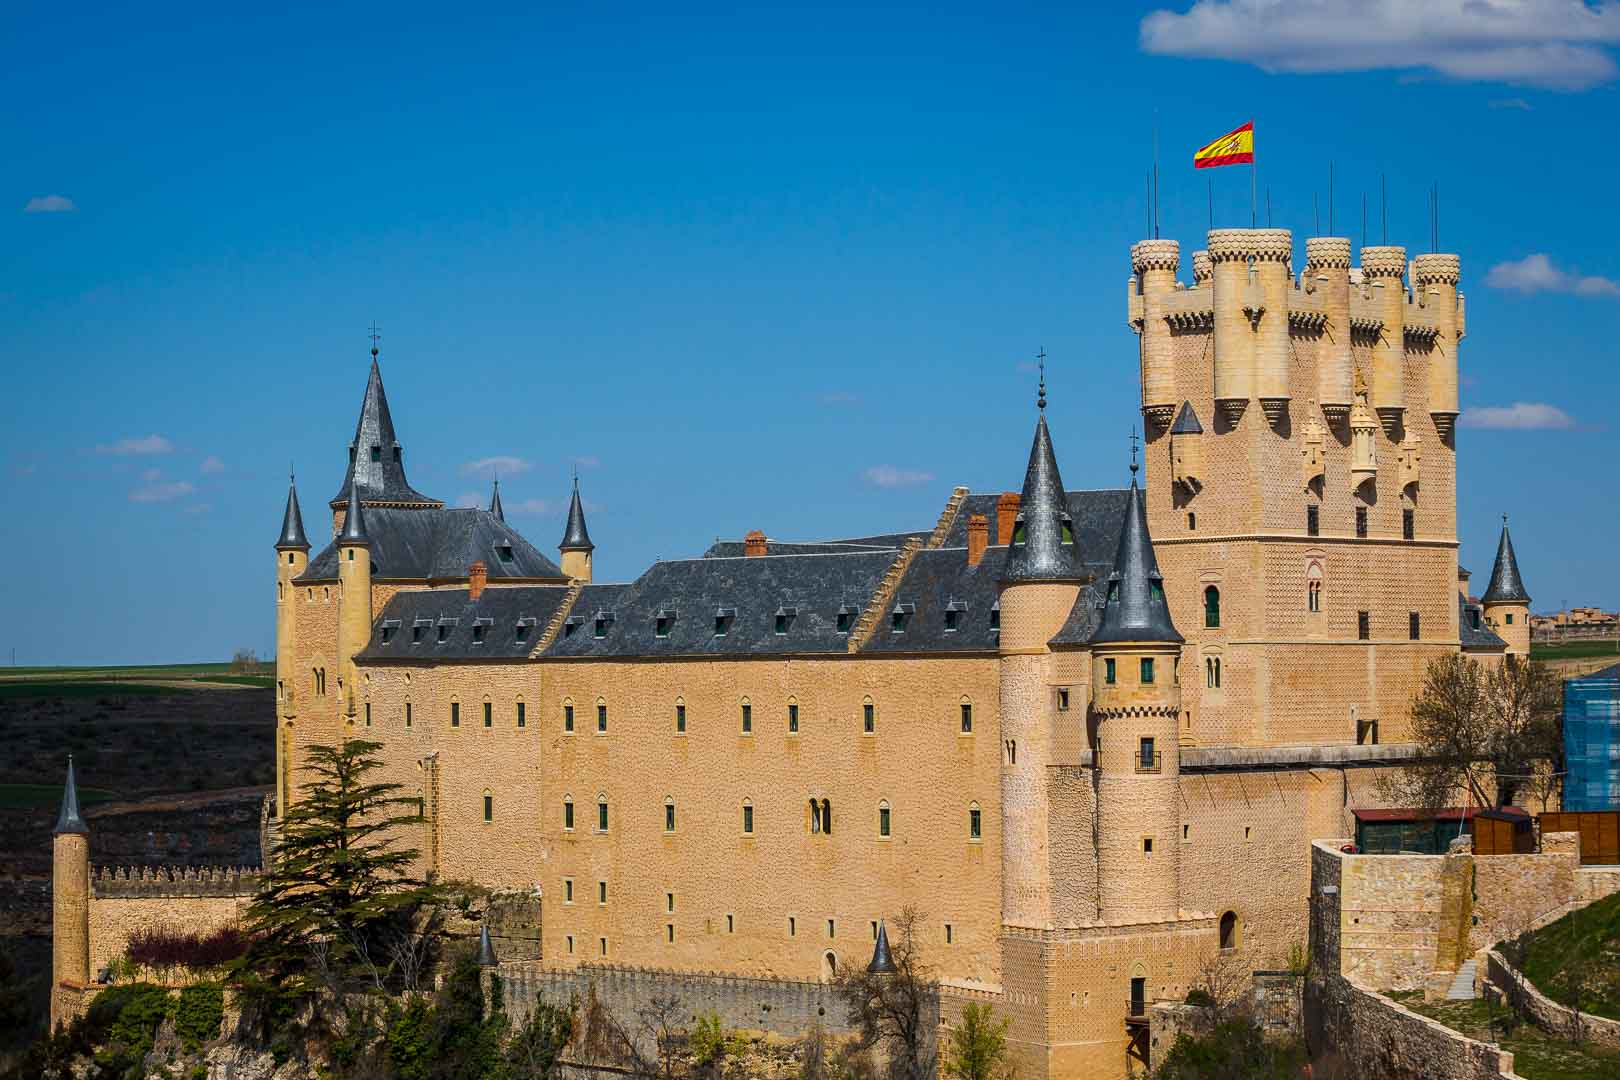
[
  {"x": 568, "y": 814},
  {"x": 995, "y": 619},
  {"x": 669, "y": 902},
  {"x": 874, "y": 929},
  {"x": 1361, "y": 521},
  {"x": 489, "y": 714},
  {"x": 1229, "y": 930},
  {"x": 747, "y": 719},
  {"x": 1212, "y": 607},
  {"x": 826, "y": 816},
  {"x": 1413, "y": 626},
  {"x": 570, "y": 940},
  {"x": 1012, "y": 751},
  {"x": 1408, "y": 524},
  {"x": 407, "y": 714},
  {"x": 568, "y": 718},
  {"x": 1364, "y": 625},
  {"x": 669, "y": 815},
  {"x": 748, "y": 818},
  {"x": 1147, "y": 671},
  {"x": 1109, "y": 671},
  {"x": 478, "y": 634},
  {"x": 1147, "y": 752},
  {"x": 832, "y": 927},
  {"x": 844, "y": 620},
  {"x": 869, "y": 717},
  {"x": 489, "y": 807},
  {"x": 883, "y": 820},
  {"x": 603, "y": 944},
  {"x": 455, "y": 714},
  {"x": 793, "y": 926},
  {"x": 1509, "y": 616},
  {"x": 601, "y": 815},
  {"x": 601, "y": 893},
  {"x": 599, "y": 628},
  {"x": 1147, "y": 845},
  {"x": 897, "y": 622},
  {"x": 680, "y": 718},
  {"x": 975, "y": 823},
  {"x": 815, "y": 816},
  {"x": 368, "y": 714},
  {"x": 1313, "y": 520},
  {"x": 1063, "y": 700},
  {"x": 793, "y": 718},
  {"x": 661, "y": 626},
  {"x": 444, "y": 633},
  {"x": 669, "y": 932},
  {"x": 781, "y": 623},
  {"x": 952, "y": 617},
  {"x": 1192, "y": 521},
  {"x": 947, "y": 933},
  {"x": 520, "y": 717},
  {"x": 1313, "y": 596},
  {"x": 601, "y": 716},
  {"x": 967, "y": 718},
  {"x": 568, "y": 890}
]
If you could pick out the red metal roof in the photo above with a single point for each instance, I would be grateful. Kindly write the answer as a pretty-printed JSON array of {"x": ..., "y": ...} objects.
[{"x": 1449, "y": 813}]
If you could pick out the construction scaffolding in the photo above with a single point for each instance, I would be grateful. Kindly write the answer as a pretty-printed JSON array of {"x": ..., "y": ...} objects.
[{"x": 1592, "y": 741}]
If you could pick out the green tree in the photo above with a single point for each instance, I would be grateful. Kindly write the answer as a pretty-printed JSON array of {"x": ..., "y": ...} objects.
[
  {"x": 978, "y": 1047},
  {"x": 537, "y": 1046},
  {"x": 338, "y": 893},
  {"x": 1235, "y": 1049}
]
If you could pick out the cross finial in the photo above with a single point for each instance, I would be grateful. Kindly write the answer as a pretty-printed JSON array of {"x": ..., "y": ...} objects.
[
  {"x": 375, "y": 333},
  {"x": 1040, "y": 401},
  {"x": 1504, "y": 520},
  {"x": 1133, "y": 452}
]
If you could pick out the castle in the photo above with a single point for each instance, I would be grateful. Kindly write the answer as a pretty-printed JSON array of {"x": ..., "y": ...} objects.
[{"x": 1088, "y": 735}]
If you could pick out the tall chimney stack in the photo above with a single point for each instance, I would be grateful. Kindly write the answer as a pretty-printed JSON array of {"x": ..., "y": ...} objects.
[
  {"x": 978, "y": 536},
  {"x": 754, "y": 544},
  {"x": 477, "y": 578},
  {"x": 1006, "y": 514}
]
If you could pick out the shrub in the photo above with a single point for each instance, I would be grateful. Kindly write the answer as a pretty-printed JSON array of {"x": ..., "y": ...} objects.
[
  {"x": 197, "y": 1014},
  {"x": 161, "y": 948},
  {"x": 124, "y": 1021},
  {"x": 1199, "y": 996},
  {"x": 1237, "y": 1049}
]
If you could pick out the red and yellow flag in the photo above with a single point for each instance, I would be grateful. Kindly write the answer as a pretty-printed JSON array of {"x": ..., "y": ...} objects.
[{"x": 1233, "y": 148}]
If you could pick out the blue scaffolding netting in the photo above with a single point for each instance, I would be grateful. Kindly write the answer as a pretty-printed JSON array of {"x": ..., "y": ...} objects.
[{"x": 1592, "y": 741}]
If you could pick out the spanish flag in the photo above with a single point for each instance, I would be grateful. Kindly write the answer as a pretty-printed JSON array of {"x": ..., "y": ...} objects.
[{"x": 1233, "y": 148}]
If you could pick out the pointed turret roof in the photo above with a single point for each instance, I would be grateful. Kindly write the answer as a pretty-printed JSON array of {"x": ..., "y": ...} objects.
[
  {"x": 292, "y": 522},
  {"x": 495, "y": 502},
  {"x": 486, "y": 948},
  {"x": 1186, "y": 421},
  {"x": 1506, "y": 586},
  {"x": 70, "y": 820},
  {"x": 354, "y": 522},
  {"x": 1134, "y": 608},
  {"x": 376, "y": 457},
  {"x": 1043, "y": 546},
  {"x": 882, "y": 963},
  {"x": 575, "y": 537}
]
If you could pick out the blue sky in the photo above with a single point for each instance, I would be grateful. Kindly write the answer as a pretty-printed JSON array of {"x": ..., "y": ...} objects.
[{"x": 760, "y": 268}]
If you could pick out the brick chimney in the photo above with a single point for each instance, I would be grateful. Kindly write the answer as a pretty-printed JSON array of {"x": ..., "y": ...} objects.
[
  {"x": 754, "y": 544},
  {"x": 978, "y": 537},
  {"x": 1006, "y": 512},
  {"x": 477, "y": 578}
]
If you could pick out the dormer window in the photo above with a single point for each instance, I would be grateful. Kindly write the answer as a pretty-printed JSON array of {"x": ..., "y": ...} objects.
[
  {"x": 1018, "y": 535},
  {"x": 995, "y": 617},
  {"x": 953, "y": 616},
  {"x": 523, "y": 628},
  {"x": 901, "y": 617},
  {"x": 1068, "y": 531},
  {"x": 664, "y": 620},
  {"x": 722, "y": 620},
  {"x": 389, "y": 628},
  {"x": 600, "y": 626},
  {"x": 846, "y": 619},
  {"x": 571, "y": 624},
  {"x": 376, "y": 453},
  {"x": 479, "y": 628},
  {"x": 504, "y": 551},
  {"x": 416, "y": 630},
  {"x": 784, "y": 618}
]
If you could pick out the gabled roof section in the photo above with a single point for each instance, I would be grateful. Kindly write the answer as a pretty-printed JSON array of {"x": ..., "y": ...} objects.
[
  {"x": 1186, "y": 421},
  {"x": 69, "y": 820},
  {"x": 1038, "y": 551},
  {"x": 945, "y": 605},
  {"x": 1083, "y": 618},
  {"x": 504, "y": 623},
  {"x": 576, "y": 537},
  {"x": 376, "y": 458},
  {"x": 1134, "y": 607},
  {"x": 439, "y": 544},
  {"x": 292, "y": 523},
  {"x": 1506, "y": 586}
]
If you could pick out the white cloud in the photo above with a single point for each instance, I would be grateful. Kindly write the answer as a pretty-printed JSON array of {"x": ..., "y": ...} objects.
[
  {"x": 1536, "y": 273},
  {"x": 141, "y": 447},
  {"x": 470, "y": 500},
  {"x": 212, "y": 464},
  {"x": 1556, "y": 44},
  {"x": 530, "y": 506},
  {"x": 499, "y": 465},
  {"x": 889, "y": 476},
  {"x": 155, "y": 489},
  {"x": 1517, "y": 103},
  {"x": 1520, "y": 416},
  {"x": 49, "y": 204}
]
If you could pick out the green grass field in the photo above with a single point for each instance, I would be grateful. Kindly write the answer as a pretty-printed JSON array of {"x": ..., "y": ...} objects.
[
  {"x": 1536, "y": 1055},
  {"x": 49, "y": 796},
  {"x": 1582, "y": 946},
  {"x": 63, "y": 688},
  {"x": 67, "y": 680},
  {"x": 1575, "y": 650}
]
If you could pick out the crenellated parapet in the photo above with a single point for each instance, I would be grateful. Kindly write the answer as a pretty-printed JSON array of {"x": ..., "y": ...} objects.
[
  {"x": 1155, "y": 262},
  {"x": 1203, "y": 269},
  {"x": 1327, "y": 280},
  {"x": 1155, "y": 255},
  {"x": 1383, "y": 269},
  {"x": 1435, "y": 278},
  {"x": 169, "y": 881},
  {"x": 1437, "y": 270}
]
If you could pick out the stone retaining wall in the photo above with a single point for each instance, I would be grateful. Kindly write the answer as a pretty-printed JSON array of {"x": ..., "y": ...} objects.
[{"x": 1520, "y": 994}]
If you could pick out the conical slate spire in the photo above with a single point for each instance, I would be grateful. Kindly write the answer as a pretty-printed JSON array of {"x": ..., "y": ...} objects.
[
  {"x": 575, "y": 537},
  {"x": 354, "y": 522},
  {"x": 292, "y": 523},
  {"x": 1043, "y": 546},
  {"x": 486, "y": 948},
  {"x": 882, "y": 963},
  {"x": 376, "y": 458},
  {"x": 1135, "y": 608},
  {"x": 495, "y": 502},
  {"x": 1506, "y": 586},
  {"x": 70, "y": 820}
]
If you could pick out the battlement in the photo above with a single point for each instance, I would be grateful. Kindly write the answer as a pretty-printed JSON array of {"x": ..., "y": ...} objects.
[{"x": 173, "y": 881}]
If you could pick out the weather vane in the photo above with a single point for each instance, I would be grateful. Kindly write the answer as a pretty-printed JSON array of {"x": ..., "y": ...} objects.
[
  {"x": 375, "y": 333},
  {"x": 1040, "y": 402},
  {"x": 1133, "y": 451}
]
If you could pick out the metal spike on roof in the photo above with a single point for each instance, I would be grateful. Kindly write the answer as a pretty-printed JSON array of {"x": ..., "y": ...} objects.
[
  {"x": 1134, "y": 608},
  {"x": 575, "y": 536},
  {"x": 1506, "y": 586},
  {"x": 495, "y": 502},
  {"x": 354, "y": 522},
  {"x": 382, "y": 477},
  {"x": 882, "y": 963},
  {"x": 486, "y": 948},
  {"x": 70, "y": 820},
  {"x": 292, "y": 522},
  {"x": 1043, "y": 518}
]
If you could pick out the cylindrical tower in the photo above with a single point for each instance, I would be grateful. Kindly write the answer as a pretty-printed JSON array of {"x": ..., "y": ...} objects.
[
  {"x": 1436, "y": 276},
  {"x": 1154, "y": 262},
  {"x": 70, "y": 906},
  {"x": 1229, "y": 256},
  {"x": 1327, "y": 268},
  {"x": 292, "y": 558},
  {"x": 1384, "y": 270},
  {"x": 1039, "y": 584},
  {"x": 1272, "y": 250},
  {"x": 1506, "y": 601},
  {"x": 1136, "y": 703},
  {"x": 354, "y": 597},
  {"x": 1203, "y": 270}
]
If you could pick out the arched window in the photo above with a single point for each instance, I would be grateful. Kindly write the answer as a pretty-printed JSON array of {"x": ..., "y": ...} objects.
[
  {"x": 601, "y": 813},
  {"x": 748, "y": 817},
  {"x": 489, "y": 805},
  {"x": 885, "y": 822},
  {"x": 747, "y": 717},
  {"x": 868, "y": 715},
  {"x": 1012, "y": 751},
  {"x": 1313, "y": 587},
  {"x": 669, "y": 814},
  {"x": 829, "y": 967},
  {"x": 601, "y": 716},
  {"x": 1212, "y": 672},
  {"x": 568, "y": 716},
  {"x": 967, "y": 715},
  {"x": 1229, "y": 930},
  {"x": 1212, "y": 606},
  {"x": 568, "y": 813},
  {"x": 975, "y": 822},
  {"x": 793, "y": 715},
  {"x": 826, "y": 815},
  {"x": 680, "y": 716}
]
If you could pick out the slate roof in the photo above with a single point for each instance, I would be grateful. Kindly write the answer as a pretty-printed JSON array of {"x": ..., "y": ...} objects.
[
  {"x": 1186, "y": 421},
  {"x": 383, "y": 480},
  {"x": 498, "y": 612},
  {"x": 575, "y": 535},
  {"x": 733, "y": 549},
  {"x": 1482, "y": 639},
  {"x": 292, "y": 523},
  {"x": 809, "y": 589},
  {"x": 1083, "y": 618},
  {"x": 438, "y": 545},
  {"x": 1506, "y": 586},
  {"x": 354, "y": 522},
  {"x": 1134, "y": 607},
  {"x": 936, "y": 581},
  {"x": 495, "y": 507},
  {"x": 69, "y": 820},
  {"x": 1039, "y": 551}
]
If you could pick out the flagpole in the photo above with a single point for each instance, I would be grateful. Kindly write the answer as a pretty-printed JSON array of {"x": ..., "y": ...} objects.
[{"x": 1254, "y": 169}]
